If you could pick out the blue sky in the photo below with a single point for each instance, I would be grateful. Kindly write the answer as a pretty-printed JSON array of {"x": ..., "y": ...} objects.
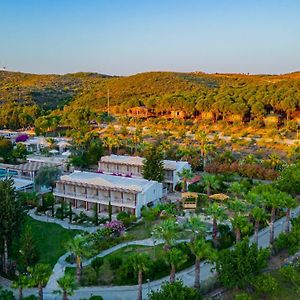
[{"x": 121, "y": 37}]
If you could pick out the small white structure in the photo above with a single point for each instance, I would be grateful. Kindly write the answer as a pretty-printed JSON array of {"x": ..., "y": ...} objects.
[
  {"x": 86, "y": 189},
  {"x": 63, "y": 146},
  {"x": 36, "y": 144},
  {"x": 132, "y": 165}
]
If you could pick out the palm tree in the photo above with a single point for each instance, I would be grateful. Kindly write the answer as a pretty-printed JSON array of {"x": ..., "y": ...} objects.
[
  {"x": 140, "y": 262},
  {"x": 78, "y": 246},
  {"x": 185, "y": 175},
  {"x": 289, "y": 203},
  {"x": 201, "y": 249},
  {"x": 275, "y": 201},
  {"x": 40, "y": 274},
  {"x": 211, "y": 182},
  {"x": 240, "y": 224},
  {"x": 202, "y": 139},
  {"x": 218, "y": 214},
  {"x": 258, "y": 214},
  {"x": 270, "y": 197},
  {"x": 196, "y": 226},
  {"x": 67, "y": 286},
  {"x": 237, "y": 189},
  {"x": 167, "y": 231},
  {"x": 20, "y": 283},
  {"x": 174, "y": 258}
]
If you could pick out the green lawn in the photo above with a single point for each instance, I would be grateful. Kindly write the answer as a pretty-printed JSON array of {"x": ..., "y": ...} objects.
[
  {"x": 107, "y": 276},
  {"x": 51, "y": 240},
  {"x": 140, "y": 231}
]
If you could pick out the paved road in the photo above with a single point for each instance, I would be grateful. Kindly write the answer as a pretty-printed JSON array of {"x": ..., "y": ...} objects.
[{"x": 130, "y": 292}]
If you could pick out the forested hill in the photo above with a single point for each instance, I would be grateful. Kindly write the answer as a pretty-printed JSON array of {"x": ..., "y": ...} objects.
[{"x": 258, "y": 95}]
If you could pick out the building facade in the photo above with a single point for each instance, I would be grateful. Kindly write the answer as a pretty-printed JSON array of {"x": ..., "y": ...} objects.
[
  {"x": 85, "y": 190},
  {"x": 132, "y": 166}
]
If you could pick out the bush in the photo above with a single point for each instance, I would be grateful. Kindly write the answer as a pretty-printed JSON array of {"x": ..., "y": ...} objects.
[
  {"x": 59, "y": 213},
  {"x": 115, "y": 261},
  {"x": 117, "y": 227},
  {"x": 237, "y": 266},
  {"x": 96, "y": 264},
  {"x": 88, "y": 277},
  {"x": 121, "y": 215},
  {"x": 93, "y": 298},
  {"x": 289, "y": 241},
  {"x": 71, "y": 259},
  {"x": 40, "y": 209},
  {"x": 31, "y": 297},
  {"x": 242, "y": 296},
  {"x": 265, "y": 284},
  {"x": 226, "y": 236},
  {"x": 158, "y": 269},
  {"x": 6, "y": 295},
  {"x": 175, "y": 291}
]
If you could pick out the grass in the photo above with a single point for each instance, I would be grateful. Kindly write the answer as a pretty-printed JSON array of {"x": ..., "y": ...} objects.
[
  {"x": 107, "y": 276},
  {"x": 50, "y": 238}
]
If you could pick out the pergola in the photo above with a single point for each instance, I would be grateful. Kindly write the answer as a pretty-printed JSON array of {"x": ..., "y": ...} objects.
[{"x": 219, "y": 197}]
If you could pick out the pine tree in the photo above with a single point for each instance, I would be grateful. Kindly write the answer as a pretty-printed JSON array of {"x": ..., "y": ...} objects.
[
  {"x": 153, "y": 165},
  {"x": 28, "y": 249}
]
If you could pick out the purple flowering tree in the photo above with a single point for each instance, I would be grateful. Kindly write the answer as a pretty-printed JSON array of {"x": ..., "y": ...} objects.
[{"x": 116, "y": 226}]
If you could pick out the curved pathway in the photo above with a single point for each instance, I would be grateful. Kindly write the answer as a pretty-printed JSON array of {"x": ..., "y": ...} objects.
[
  {"x": 61, "y": 264},
  {"x": 130, "y": 292},
  {"x": 62, "y": 223}
]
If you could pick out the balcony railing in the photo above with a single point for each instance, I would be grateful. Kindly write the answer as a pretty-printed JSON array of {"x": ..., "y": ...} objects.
[{"x": 99, "y": 198}]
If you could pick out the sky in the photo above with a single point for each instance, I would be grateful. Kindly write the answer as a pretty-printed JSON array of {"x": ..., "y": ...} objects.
[{"x": 122, "y": 37}]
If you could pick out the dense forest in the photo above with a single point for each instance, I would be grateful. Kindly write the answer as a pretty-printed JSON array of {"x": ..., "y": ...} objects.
[{"x": 53, "y": 100}]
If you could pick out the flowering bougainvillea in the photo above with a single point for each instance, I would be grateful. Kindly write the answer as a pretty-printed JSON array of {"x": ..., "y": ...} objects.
[
  {"x": 22, "y": 138},
  {"x": 116, "y": 226}
]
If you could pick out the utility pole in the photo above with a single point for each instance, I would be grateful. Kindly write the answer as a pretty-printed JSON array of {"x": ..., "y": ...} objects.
[{"x": 108, "y": 101}]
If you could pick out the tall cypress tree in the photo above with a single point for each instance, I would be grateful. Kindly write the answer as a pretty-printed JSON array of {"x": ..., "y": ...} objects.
[
  {"x": 153, "y": 165},
  {"x": 11, "y": 217}
]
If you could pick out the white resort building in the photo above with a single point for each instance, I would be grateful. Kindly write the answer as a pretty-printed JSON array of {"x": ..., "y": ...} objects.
[
  {"x": 132, "y": 166},
  {"x": 86, "y": 189}
]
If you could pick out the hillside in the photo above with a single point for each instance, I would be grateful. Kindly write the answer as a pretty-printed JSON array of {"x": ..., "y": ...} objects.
[{"x": 222, "y": 94}]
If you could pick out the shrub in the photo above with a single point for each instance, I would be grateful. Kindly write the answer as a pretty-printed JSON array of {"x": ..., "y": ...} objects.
[
  {"x": 121, "y": 215},
  {"x": 242, "y": 296},
  {"x": 265, "y": 284},
  {"x": 158, "y": 269},
  {"x": 22, "y": 138},
  {"x": 71, "y": 259},
  {"x": 93, "y": 298},
  {"x": 117, "y": 227},
  {"x": 289, "y": 241},
  {"x": 237, "y": 266},
  {"x": 115, "y": 261},
  {"x": 88, "y": 277},
  {"x": 168, "y": 291},
  {"x": 96, "y": 264},
  {"x": 59, "y": 213},
  {"x": 226, "y": 236},
  {"x": 31, "y": 297}
]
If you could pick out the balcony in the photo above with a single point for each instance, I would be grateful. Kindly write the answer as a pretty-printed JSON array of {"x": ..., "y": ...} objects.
[{"x": 95, "y": 198}]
